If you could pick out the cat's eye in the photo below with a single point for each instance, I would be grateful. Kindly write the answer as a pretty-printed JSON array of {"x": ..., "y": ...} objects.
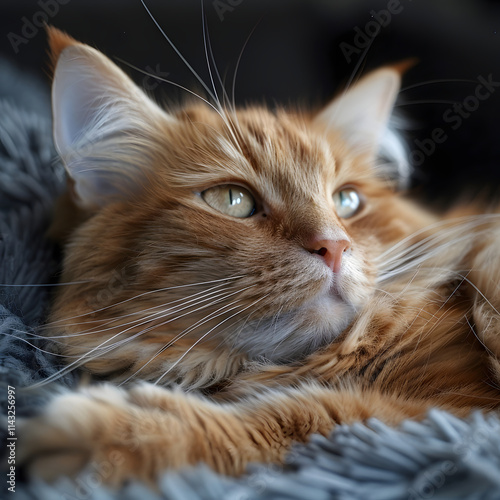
[
  {"x": 347, "y": 202},
  {"x": 230, "y": 199}
]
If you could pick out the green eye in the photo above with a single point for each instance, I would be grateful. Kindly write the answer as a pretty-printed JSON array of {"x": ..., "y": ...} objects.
[
  {"x": 230, "y": 199},
  {"x": 347, "y": 202}
]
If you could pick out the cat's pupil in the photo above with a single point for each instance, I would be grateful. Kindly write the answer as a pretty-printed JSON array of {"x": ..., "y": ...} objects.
[
  {"x": 236, "y": 199},
  {"x": 232, "y": 200}
]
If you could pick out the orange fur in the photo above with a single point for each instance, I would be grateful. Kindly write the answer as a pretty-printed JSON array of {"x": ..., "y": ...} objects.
[
  {"x": 426, "y": 335},
  {"x": 58, "y": 41}
]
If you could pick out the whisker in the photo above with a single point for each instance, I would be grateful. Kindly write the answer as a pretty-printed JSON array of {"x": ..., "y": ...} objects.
[
  {"x": 185, "y": 332},
  {"x": 170, "y": 82},
  {"x": 354, "y": 73},
  {"x": 432, "y": 82},
  {"x": 191, "y": 298},
  {"x": 205, "y": 335},
  {"x": 177, "y": 51},
  {"x": 431, "y": 246},
  {"x": 34, "y": 346},
  {"x": 145, "y": 321},
  {"x": 463, "y": 279},
  {"x": 219, "y": 110},
  {"x": 437, "y": 225},
  {"x": 233, "y": 87},
  {"x": 425, "y": 101},
  {"x": 157, "y": 290},
  {"x": 423, "y": 330},
  {"x": 105, "y": 346},
  {"x": 209, "y": 67},
  {"x": 35, "y": 285},
  {"x": 171, "y": 320},
  {"x": 488, "y": 350}
]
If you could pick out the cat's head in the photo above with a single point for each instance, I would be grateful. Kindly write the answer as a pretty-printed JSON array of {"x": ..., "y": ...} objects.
[{"x": 211, "y": 235}]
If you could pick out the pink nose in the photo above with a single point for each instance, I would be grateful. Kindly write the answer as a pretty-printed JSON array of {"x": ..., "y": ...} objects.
[{"x": 331, "y": 251}]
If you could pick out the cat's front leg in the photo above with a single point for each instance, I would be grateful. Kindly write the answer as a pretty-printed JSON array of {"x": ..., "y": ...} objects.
[
  {"x": 136, "y": 433},
  {"x": 144, "y": 431},
  {"x": 129, "y": 434}
]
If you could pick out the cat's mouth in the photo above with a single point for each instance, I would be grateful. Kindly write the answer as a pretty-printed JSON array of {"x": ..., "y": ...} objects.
[
  {"x": 331, "y": 306},
  {"x": 335, "y": 292},
  {"x": 336, "y": 289}
]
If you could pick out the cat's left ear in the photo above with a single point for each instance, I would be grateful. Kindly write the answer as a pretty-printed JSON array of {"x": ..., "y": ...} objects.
[
  {"x": 105, "y": 127},
  {"x": 361, "y": 113}
]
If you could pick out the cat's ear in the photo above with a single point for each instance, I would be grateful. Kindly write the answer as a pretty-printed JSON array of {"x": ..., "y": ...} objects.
[
  {"x": 103, "y": 123},
  {"x": 361, "y": 113}
]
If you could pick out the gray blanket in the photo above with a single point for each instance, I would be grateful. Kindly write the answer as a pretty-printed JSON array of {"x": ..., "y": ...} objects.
[{"x": 442, "y": 457}]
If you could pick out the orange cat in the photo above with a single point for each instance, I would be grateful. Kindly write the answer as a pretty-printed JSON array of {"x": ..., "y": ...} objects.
[{"x": 258, "y": 273}]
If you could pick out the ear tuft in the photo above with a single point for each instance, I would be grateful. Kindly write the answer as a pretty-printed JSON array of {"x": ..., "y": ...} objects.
[{"x": 58, "y": 41}]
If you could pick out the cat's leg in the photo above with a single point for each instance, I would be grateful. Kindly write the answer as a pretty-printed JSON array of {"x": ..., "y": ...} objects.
[{"x": 141, "y": 432}]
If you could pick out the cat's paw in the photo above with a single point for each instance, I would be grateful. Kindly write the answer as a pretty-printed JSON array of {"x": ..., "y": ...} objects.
[
  {"x": 104, "y": 430},
  {"x": 61, "y": 441}
]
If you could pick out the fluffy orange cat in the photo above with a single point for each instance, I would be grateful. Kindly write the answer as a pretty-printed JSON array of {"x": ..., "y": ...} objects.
[{"x": 257, "y": 272}]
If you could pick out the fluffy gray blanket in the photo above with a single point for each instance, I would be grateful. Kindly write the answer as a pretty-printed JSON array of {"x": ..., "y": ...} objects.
[{"x": 442, "y": 457}]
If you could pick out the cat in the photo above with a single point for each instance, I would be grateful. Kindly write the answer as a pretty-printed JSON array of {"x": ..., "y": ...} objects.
[{"x": 244, "y": 278}]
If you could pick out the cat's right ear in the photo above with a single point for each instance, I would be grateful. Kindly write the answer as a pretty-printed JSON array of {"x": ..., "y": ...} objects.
[
  {"x": 361, "y": 113},
  {"x": 104, "y": 124}
]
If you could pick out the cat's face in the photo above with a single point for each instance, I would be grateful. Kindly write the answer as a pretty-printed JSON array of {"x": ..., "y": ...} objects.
[{"x": 248, "y": 232}]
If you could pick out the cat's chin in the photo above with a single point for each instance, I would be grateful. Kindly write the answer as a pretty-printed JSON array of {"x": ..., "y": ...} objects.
[{"x": 293, "y": 335}]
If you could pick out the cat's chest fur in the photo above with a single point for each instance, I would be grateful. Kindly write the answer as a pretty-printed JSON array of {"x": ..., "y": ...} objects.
[{"x": 424, "y": 348}]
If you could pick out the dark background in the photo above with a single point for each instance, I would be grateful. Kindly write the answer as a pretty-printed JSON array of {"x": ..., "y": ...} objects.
[{"x": 295, "y": 55}]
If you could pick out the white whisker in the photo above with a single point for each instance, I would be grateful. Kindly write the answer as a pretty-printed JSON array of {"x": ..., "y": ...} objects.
[
  {"x": 110, "y": 344},
  {"x": 34, "y": 346},
  {"x": 205, "y": 335},
  {"x": 185, "y": 300},
  {"x": 40, "y": 285},
  {"x": 238, "y": 65},
  {"x": 221, "y": 311},
  {"x": 170, "y": 320},
  {"x": 135, "y": 297},
  {"x": 177, "y": 51},
  {"x": 209, "y": 67},
  {"x": 397, "y": 260}
]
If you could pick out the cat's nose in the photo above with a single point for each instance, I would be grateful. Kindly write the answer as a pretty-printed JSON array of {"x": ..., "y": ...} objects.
[{"x": 332, "y": 251}]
